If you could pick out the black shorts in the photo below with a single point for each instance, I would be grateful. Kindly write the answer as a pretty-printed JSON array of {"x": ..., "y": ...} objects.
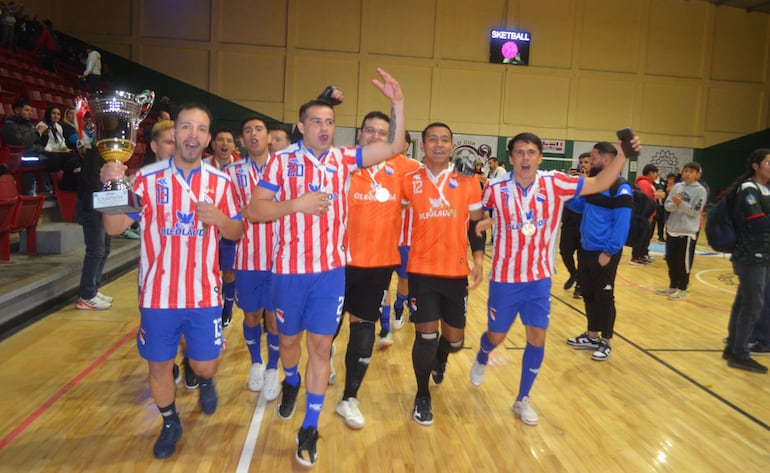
[
  {"x": 432, "y": 298},
  {"x": 365, "y": 290}
]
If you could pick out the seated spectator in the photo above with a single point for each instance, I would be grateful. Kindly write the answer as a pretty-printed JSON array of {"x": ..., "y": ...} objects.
[
  {"x": 69, "y": 129},
  {"x": 18, "y": 130}
]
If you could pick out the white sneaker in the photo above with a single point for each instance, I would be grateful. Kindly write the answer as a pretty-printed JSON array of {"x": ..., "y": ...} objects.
[
  {"x": 398, "y": 323},
  {"x": 677, "y": 295},
  {"x": 477, "y": 373},
  {"x": 103, "y": 297},
  {"x": 386, "y": 341},
  {"x": 665, "y": 292},
  {"x": 332, "y": 371},
  {"x": 256, "y": 377},
  {"x": 349, "y": 410},
  {"x": 524, "y": 410},
  {"x": 272, "y": 387},
  {"x": 92, "y": 304}
]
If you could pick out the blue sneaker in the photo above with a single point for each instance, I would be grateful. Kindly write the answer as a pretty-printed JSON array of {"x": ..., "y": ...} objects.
[
  {"x": 208, "y": 396},
  {"x": 170, "y": 434}
]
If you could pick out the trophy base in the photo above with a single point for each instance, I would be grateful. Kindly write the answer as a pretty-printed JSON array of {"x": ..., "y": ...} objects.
[{"x": 117, "y": 202}]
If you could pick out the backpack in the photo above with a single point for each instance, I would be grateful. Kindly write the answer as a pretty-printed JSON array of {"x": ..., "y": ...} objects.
[
  {"x": 720, "y": 229},
  {"x": 643, "y": 206}
]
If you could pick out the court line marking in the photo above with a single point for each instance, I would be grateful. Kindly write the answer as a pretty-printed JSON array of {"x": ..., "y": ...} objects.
[
  {"x": 247, "y": 453},
  {"x": 65, "y": 389},
  {"x": 702, "y": 281},
  {"x": 677, "y": 371}
]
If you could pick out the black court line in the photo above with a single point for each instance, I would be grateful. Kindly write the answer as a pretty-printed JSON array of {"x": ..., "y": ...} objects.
[{"x": 677, "y": 371}]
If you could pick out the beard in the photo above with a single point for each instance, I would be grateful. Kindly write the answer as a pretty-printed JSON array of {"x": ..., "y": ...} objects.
[{"x": 594, "y": 171}]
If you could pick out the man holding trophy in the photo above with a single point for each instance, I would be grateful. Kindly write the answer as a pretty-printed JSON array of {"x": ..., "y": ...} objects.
[{"x": 183, "y": 208}]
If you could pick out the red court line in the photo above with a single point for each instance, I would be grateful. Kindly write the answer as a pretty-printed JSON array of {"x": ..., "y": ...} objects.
[{"x": 61, "y": 392}]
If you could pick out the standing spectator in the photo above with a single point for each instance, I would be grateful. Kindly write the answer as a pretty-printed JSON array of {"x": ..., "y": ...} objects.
[
  {"x": 8, "y": 26},
  {"x": 685, "y": 205},
  {"x": 304, "y": 193},
  {"x": 646, "y": 183},
  {"x": 751, "y": 258},
  {"x": 569, "y": 236},
  {"x": 528, "y": 206},
  {"x": 149, "y": 154},
  {"x": 495, "y": 169},
  {"x": 603, "y": 232},
  {"x": 93, "y": 72},
  {"x": 447, "y": 206},
  {"x": 660, "y": 213},
  {"x": 279, "y": 138},
  {"x": 185, "y": 206},
  {"x": 47, "y": 46}
]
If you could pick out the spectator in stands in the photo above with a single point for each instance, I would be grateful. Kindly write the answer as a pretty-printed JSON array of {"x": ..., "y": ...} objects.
[
  {"x": 162, "y": 142},
  {"x": 93, "y": 73},
  {"x": 8, "y": 25},
  {"x": 69, "y": 130},
  {"x": 46, "y": 45},
  {"x": 18, "y": 130},
  {"x": 495, "y": 170},
  {"x": 53, "y": 138}
]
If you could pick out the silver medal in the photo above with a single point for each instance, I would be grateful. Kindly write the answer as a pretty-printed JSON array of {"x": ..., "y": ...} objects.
[
  {"x": 382, "y": 195},
  {"x": 528, "y": 229}
]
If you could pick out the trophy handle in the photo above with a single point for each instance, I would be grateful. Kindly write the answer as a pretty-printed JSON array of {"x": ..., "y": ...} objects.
[{"x": 145, "y": 99}]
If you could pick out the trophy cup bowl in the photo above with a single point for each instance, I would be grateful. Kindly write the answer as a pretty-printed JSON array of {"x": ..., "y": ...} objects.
[{"x": 116, "y": 117}]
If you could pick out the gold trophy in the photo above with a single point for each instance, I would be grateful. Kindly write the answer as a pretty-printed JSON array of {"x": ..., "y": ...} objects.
[{"x": 116, "y": 118}]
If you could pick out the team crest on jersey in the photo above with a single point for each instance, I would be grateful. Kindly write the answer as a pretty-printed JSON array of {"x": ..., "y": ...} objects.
[
  {"x": 750, "y": 199},
  {"x": 389, "y": 170},
  {"x": 452, "y": 183},
  {"x": 279, "y": 315},
  {"x": 539, "y": 197},
  {"x": 185, "y": 226},
  {"x": 331, "y": 168}
]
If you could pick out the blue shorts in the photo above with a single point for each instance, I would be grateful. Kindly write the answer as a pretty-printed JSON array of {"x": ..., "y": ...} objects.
[
  {"x": 159, "y": 331},
  {"x": 311, "y": 302},
  {"x": 252, "y": 290},
  {"x": 227, "y": 253},
  {"x": 530, "y": 299},
  {"x": 401, "y": 270}
]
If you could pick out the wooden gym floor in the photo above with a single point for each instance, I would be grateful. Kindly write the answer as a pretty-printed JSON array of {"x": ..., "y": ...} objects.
[{"x": 75, "y": 396}]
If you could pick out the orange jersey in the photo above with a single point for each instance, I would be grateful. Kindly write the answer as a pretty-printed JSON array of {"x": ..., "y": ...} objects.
[
  {"x": 374, "y": 226},
  {"x": 442, "y": 206}
]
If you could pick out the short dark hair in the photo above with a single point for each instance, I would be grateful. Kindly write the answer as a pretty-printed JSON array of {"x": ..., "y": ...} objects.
[
  {"x": 436, "y": 124},
  {"x": 313, "y": 103},
  {"x": 649, "y": 168},
  {"x": 605, "y": 147},
  {"x": 251, "y": 117},
  {"x": 492, "y": 159},
  {"x": 194, "y": 106},
  {"x": 584, "y": 155},
  {"x": 526, "y": 137},
  {"x": 221, "y": 130},
  {"x": 692, "y": 165},
  {"x": 20, "y": 103},
  {"x": 281, "y": 127},
  {"x": 374, "y": 115}
]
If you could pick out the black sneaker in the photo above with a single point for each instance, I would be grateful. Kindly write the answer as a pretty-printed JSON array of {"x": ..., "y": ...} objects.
[
  {"x": 748, "y": 364},
  {"x": 288, "y": 400},
  {"x": 190, "y": 378},
  {"x": 176, "y": 374},
  {"x": 584, "y": 342},
  {"x": 578, "y": 292},
  {"x": 207, "y": 395},
  {"x": 423, "y": 414},
  {"x": 570, "y": 282},
  {"x": 227, "y": 319},
  {"x": 170, "y": 434},
  {"x": 439, "y": 369},
  {"x": 307, "y": 453},
  {"x": 727, "y": 354}
]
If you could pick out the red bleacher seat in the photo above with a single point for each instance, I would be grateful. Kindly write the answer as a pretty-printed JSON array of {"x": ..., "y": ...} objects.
[
  {"x": 26, "y": 215},
  {"x": 13, "y": 155},
  {"x": 67, "y": 200},
  {"x": 7, "y": 216}
]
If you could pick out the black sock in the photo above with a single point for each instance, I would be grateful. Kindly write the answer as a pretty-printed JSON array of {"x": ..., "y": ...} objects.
[
  {"x": 169, "y": 413},
  {"x": 423, "y": 357},
  {"x": 358, "y": 356}
]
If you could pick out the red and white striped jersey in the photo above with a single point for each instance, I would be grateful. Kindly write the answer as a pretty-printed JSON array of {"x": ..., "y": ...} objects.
[
  {"x": 517, "y": 257},
  {"x": 254, "y": 251},
  {"x": 179, "y": 256},
  {"x": 311, "y": 243},
  {"x": 211, "y": 161}
]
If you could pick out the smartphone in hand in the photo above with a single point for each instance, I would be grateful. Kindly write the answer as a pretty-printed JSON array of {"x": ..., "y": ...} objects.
[{"x": 625, "y": 136}]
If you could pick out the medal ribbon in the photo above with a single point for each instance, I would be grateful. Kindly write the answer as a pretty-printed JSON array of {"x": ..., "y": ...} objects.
[
  {"x": 443, "y": 176},
  {"x": 523, "y": 204}
]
